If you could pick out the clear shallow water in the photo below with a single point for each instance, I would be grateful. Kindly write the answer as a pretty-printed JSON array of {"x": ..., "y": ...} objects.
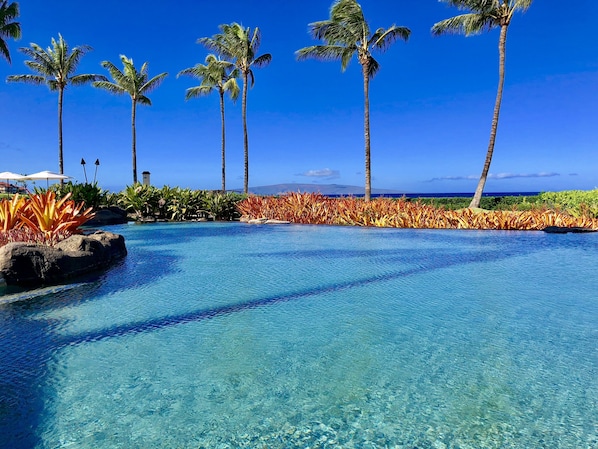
[{"x": 229, "y": 335}]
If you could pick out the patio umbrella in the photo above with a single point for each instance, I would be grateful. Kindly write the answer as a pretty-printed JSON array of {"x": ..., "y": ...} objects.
[
  {"x": 8, "y": 175},
  {"x": 47, "y": 175}
]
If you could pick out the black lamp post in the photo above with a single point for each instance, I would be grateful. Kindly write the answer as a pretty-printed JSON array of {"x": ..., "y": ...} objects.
[
  {"x": 84, "y": 172},
  {"x": 97, "y": 163}
]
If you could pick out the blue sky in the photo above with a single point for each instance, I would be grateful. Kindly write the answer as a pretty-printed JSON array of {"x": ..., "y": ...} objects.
[{"x": 431, "y": 102}]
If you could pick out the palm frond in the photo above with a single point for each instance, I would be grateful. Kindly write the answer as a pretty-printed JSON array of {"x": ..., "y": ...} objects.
[
  {"x": 4, "y": 51},
  {"x": 382, "y": 39},
  {"x": 373, "y": 67},
  {"x": 153, "y": 83},
  {"x": 145, "y": 101},
  {"x": 346, "y": 57},
  {"x": 262, "y": 61},
  {"x": 232, "y": 87},
  {"x": 29, "y": 79},
  {"x": 522, "y": 5},
  {"x": 250, "y": 77},
  {"x": 72, "y": 61},
  {"x": 113, "y": 88},
  {"x": 467, "y": 24},
  {"x": 79, "y": 80},
  {"x": 8, "y": 28},
  {"x": 349, "y": 14},
  {"x": 198, "y": 91},
  {"x": 321, "y": 52}
]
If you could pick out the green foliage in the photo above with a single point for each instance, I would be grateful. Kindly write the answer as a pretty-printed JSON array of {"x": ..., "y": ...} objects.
[
  {"x": 90, "y": 194},
  {"x": 574, "y": 202},
  {"x": 187, "y": 204},
  {"x": 8, "y": 27},
  {"x": 223, "y": 206},
  {"x": 487, "y": 202},
  {"x": 148, "y": 203},
  {"x": 140, "y": 200}
]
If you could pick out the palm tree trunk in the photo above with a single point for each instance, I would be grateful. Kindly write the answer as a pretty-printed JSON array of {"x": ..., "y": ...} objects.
[
  {"x": 366, "y": 130},
  {"x": 245, "y": 138},
  {"x": 502, "y": 50},
  {"x": 134, "y": 143},
  {"x": 223, "y": 142},
  {"x": 60, "y": 157}
]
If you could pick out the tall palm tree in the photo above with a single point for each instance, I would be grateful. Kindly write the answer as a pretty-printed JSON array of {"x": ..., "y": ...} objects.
[
  {"x": 137, "y": 85},
  {"x": 484, "y": 15},
  {"x": 8, "y": 28},
  {"x": 218, "y": 75},
  {"x": 55, "y": 67},
  {"x": 347, "y": 33},
  {"x": 240, "y": 45}
]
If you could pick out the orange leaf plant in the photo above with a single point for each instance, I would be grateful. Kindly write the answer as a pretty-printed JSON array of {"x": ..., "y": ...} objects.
[
  {"x": 314, "y": 208},
  {"x": 9, "y": 212},
  {"x": 53, "y": 217}
]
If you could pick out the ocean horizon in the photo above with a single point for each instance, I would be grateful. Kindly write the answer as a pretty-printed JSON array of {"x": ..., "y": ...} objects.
[{"x": 443, "y": 195}]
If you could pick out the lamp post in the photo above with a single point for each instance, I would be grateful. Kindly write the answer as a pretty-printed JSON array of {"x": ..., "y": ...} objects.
[
  {"x": 97, "y": 163},
  {"x": 84, "y": 172}
]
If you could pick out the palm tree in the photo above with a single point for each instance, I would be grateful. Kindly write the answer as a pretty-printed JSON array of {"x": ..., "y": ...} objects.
[
  {"x": 8, "y": 28},
  {"x": 216, "y": 74},
  {"x": 240, "y": 45},
  {"x": 484, "y": 15},
  {"x": 55, "y": 67},
  {"x": 136, "y": 84},
  {"x": 347, "y": 33}
]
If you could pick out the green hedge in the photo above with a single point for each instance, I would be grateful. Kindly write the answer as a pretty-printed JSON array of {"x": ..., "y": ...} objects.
[{"x": 574, "y": 202}]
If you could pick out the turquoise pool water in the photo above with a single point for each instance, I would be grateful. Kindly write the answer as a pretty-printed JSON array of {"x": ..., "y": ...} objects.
[{"x": 235, "y": 336}]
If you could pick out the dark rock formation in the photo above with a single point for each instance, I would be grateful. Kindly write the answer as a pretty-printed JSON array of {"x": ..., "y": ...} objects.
[
  {"x": 108, "y": 216},
  {"x": 565, "y": 230},
  {"x": 30, "y": 264}
]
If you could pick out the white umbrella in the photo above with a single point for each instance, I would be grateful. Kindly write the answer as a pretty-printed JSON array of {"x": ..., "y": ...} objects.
[
  {"x": 10, "y": 175},
  {"x": 47, "y": 175}
]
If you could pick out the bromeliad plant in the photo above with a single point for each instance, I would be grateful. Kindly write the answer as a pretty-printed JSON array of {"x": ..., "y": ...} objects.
[
  {"x": 314, "y": 208},
  {"x": 9, "y": 212},
  {"x": 47, "y": 218}
]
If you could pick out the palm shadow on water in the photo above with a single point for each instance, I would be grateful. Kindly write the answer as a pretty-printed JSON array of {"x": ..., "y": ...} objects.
[{"x": 28, "y": 345}]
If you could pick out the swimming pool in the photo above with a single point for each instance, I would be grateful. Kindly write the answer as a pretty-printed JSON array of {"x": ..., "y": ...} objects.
[{"x": 224, "y": 335}]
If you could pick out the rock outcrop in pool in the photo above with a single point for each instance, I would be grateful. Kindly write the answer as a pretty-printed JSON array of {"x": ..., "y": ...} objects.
[{"x": 31, "y": 265}]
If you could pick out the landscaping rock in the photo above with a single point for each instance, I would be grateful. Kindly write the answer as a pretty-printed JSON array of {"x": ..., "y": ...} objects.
[
  {"x": 30, "y": 264},
  {"x": 565, "y": 230},
  {"x": 263, "y": 221},
  {"x": 108, "y": 216}
]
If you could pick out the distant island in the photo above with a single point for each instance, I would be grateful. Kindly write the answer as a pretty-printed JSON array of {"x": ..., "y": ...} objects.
[
  {"x": 324, "y": 189},
  {"x": 346, "y": 190}
]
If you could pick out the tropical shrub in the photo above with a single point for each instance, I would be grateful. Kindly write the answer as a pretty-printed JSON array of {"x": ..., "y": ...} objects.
[
  {"x": 90, "y": 194},
  {"x": 140, "y": 200},
  {"x": 41, "y": 218},
  {"x": 506, "y": 202},
  {"x": 9, "y": 212},
  {"x": 187, "y": 204},
  {"x": 148, "y": 203},
  {"x": 314, "y": 208},
  {"x": 223, "y": 206},
  {"x": 575, "y": 202},
  {"x": 54, "y": 218}
]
